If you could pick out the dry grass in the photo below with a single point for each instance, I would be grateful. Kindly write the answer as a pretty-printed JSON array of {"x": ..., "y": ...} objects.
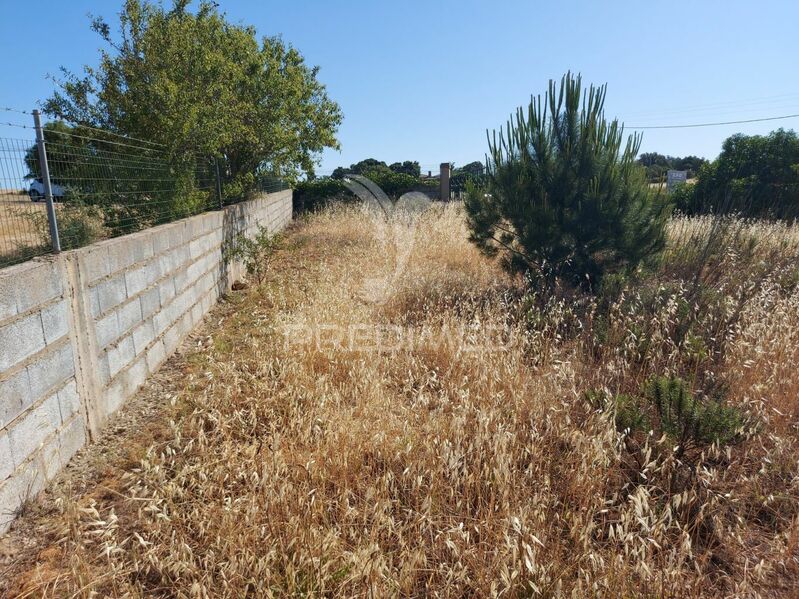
[
  {"x": 19, "y": 235},
  {"x": 358, "y": 430}
]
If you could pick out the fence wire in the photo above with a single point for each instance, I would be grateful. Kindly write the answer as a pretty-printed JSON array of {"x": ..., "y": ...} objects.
[
  {"x": 103, "y": 186},
  {"x": 21, "y": 235}
]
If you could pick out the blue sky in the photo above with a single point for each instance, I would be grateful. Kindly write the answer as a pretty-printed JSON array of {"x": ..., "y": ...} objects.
[{"x": 424, "y": 80}]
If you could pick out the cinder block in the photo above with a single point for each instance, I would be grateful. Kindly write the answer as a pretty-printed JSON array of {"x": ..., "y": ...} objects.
[
  {"x": 171, "y": 339},
  {"x": 93, "y": 263},
  {"x": 156, "y": 356},
  {"x": 196, "y": 247},
  {"x": 20, "y": 339},
  {"x": 120, "y": 355},
  {"x": 22, "y": 485},
  {"x": 129, "y": 315},
  {"x": 103, "y": 369},
  {"x": 142, "y": 277},
  {"x": 189, "y": 229},
  {"x": 112, "y": 292},
  {"x": 15, "y": 396},
  {"x": 114, "y": 396},
  {"x": 50, "y": 457},
  {"x": 37, "y": 283},
  {"x": 143, "y": 335},
  {"x": 6, "y": 459},
  {"x": 107, "y": 329},
  {"x": 94, "y": 300},
  {"x": 137, "y": 247},
  {"x": 181, "y": 257},
  {"x": 8, "y": 294},
  {"x": 55, "y": 321},
  {"x": 166, "y": 291},
  {"x": 28, "y": 435},
  {"x": 51, "y": 370},
  {"x": 175, "y": 234},
  {"x": 197, "y": 313},
  {"x": 182, "y": 280},
  {"x": 161, "y": 322},
  {"x": 71, "y": 438},
  {"x": 150, "y": 302},
  {"x": 160, "y": 240},
  {"x": 184, "y": 324},
  {"x": 68, "y": 400},
  {"x": 120, "y": 255},
  {"x": 136, "y": 375}
]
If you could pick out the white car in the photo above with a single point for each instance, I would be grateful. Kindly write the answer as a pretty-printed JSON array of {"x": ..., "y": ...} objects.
[{"x": 36, "y": 191}]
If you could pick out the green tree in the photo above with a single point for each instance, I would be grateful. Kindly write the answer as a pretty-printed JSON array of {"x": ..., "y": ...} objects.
[
  {"x": 407, "y": 167},
  {"x": 563, "y": 197},
  {"x": 63, "y": 145},
  {"x": 360, "y": 168},
  {"x": 471, "y": 173},
  {"x": 755, "y": 175},
  {"x": 199, "y": 84}
]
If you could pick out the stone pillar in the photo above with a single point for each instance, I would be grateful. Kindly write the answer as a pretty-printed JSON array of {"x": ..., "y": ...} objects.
[{"x": 444, "y": 182}]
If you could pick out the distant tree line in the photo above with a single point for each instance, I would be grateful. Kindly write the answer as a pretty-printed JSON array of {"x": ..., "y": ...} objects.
[
  {"x": 657, "y": 165},
  {"x": 394, "y": 178}
]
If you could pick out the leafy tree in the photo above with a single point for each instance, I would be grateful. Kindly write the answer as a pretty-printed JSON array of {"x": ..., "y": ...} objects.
[
  {"x": 63, "y": 145},
  {"x": 407, "y": 167},
  {"x": 475, "y": 168},
  {"x": 473, "y": 172},
  {"x": 199, "y": 84},
  {"x": 116, "y": 183},
  {"x": 755, "y": 175},
  {"x": 563, "y": 197},
  {"x": 360, "y": 168}
]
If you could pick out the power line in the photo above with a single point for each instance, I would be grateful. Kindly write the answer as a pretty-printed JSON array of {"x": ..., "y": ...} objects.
[
  {"x": 772, "y": 118},
  {"x": 787, "y": 101}
]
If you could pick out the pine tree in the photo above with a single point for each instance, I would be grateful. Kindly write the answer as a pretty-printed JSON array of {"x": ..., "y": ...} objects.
[{"x": 562, "y": 197}]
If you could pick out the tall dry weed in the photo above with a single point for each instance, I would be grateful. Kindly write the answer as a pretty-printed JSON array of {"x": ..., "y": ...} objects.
[{"x": 437, "y": 442}]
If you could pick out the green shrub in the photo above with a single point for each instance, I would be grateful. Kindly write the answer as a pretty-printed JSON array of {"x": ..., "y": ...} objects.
[
  {"x": 255, "y": 252},
  {"x": 314, "y": 194},
  {"x": 78, "y": 225}
]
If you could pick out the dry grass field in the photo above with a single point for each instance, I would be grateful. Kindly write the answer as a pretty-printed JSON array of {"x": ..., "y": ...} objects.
[
  {"x": 18, "y": 231},
  {"x": 391, "y": 415}
]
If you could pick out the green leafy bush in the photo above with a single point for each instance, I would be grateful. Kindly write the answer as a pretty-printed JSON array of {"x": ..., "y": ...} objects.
[
  {"x": 755, "y": 175},
  {"x": 255, "y": 252},
  {"x": 78, "y": 225},
  {"x": 313, "y": 194}
]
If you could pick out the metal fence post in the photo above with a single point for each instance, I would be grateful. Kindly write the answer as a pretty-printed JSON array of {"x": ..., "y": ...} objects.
[
  {"x": 48, "y": 190},
  {"x": 218, "y": 184}
]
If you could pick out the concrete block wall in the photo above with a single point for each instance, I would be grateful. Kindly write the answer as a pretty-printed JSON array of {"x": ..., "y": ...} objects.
[{"x": 81, "y": 332}]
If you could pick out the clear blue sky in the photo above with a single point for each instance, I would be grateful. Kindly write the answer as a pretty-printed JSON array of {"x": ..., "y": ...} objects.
[{"x": 423, "y": 80}]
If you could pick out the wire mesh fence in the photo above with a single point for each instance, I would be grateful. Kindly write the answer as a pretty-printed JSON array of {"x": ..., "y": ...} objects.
[
  {"x": 102, "y": 186},
  {"x": 20, "y": 218}
]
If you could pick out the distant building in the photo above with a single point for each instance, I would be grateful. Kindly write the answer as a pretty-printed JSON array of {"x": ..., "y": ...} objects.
[{"x": 675, "y": 178}]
